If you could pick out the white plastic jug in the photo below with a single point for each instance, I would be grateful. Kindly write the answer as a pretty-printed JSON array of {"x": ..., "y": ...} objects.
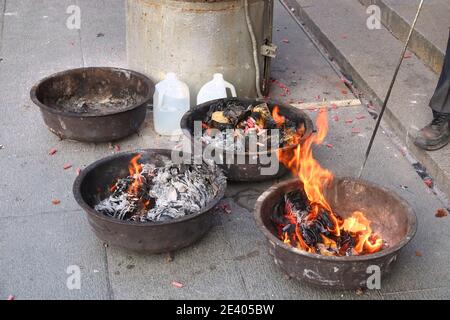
[
  {"x": 215, "y": 89},
  {"x": 170, "y": 102}
]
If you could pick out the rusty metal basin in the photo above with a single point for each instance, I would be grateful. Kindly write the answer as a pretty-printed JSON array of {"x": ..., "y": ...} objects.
[
  {"x": 153, "y": 237},
  {"x": 391, "y": 217},
  {"x": 97, "y": 104},
  {"x": 249, "y": 171}
]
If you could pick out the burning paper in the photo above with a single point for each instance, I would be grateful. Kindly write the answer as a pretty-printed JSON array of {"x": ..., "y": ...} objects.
[
  {"x": 305, "y": 219},
  {"x": 229, "y": 126},
  {"x": 159, "y": 193}
]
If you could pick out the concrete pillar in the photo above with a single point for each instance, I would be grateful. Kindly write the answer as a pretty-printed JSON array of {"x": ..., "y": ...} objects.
[{"x": 195, "y": 39}]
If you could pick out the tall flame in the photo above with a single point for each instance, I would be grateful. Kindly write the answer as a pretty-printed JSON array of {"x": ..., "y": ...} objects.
[
  {"x": 135, "y": 172},
  {"x": 301, "y": 162},
  {"x": 279, "y": 119}
]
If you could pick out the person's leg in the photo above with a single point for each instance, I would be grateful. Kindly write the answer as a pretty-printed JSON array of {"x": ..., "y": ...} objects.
[
  {"x": 441, "y": 98},
  {"x": 436, "y": 135}
]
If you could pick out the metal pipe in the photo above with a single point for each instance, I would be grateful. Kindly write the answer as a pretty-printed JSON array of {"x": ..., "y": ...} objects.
[{"x": 255, "y": 50}]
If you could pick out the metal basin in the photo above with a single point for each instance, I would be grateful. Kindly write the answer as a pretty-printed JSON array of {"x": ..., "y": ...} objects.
[
  {"x": 93, "y": 104},
  {"x": 158, "y": 237},
  {"x": 391, "y": 217},
  {"x": 248, "y": 172}
]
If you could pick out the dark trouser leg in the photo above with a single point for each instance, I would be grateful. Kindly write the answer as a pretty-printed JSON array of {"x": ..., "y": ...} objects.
[{"x": 441, "y": 98}]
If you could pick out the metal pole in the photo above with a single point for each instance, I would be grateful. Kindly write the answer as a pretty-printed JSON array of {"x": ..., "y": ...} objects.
[{"x": 388, "y": 95}]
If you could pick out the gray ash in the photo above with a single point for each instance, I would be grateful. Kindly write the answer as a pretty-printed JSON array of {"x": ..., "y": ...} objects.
[
  {"x": 162, "y": 193},
  {"x": 98, "y": 104}
]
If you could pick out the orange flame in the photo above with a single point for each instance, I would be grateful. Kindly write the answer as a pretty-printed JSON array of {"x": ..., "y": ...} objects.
[
  {"x": 135, "y": 172},
  {"x": 279, "y": 119},
  {"x": 359, "y": 225},
  {"x": 301, "y": 162}
]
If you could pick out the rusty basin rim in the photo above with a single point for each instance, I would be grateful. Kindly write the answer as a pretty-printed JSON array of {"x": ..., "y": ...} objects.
[
  {"x": 91, "y": 211},
  {"x": 412, "y": 228},
  {"x": 142, "y": 77},
  {"x": 308, "y": 124}
]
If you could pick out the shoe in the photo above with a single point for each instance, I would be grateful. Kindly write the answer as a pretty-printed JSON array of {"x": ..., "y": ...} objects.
[{"x": 436, "y": 135}]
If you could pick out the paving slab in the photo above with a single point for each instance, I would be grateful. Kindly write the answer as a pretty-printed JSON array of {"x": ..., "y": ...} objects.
[
  {"x": 103, "y": 33},
  {"x": 429, "y": 41},
  {"x": 300, "y": 74},
  {"x": 36, "y": 253},
  {"x": 432, "y": 294},
  {"x": 207, "y": 270}
]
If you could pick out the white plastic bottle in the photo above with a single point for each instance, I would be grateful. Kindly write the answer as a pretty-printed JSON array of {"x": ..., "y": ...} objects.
[
  {"x": 170, "y": 102},
  {"x": 215, "y": 89}
]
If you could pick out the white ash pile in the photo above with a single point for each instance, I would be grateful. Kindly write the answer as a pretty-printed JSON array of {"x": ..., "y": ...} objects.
[{"x": 162, "y": 193}]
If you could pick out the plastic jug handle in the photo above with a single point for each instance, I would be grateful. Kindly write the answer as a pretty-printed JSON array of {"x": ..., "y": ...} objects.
[
  {"x": 161, "y": 97},
  {"x": 232, "y": 89}
]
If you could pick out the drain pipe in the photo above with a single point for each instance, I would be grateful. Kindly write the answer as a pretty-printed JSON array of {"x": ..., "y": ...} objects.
[{"x": 255, "y": 50}]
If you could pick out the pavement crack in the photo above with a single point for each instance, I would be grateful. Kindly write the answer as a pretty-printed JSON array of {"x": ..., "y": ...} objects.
[
  {"x": 109, "y": 289},
  {"x": 80, "y": 39},
  {"x": 2, "y": 25},
  {"x": 83, "y": 60},
  {"x": 30, "y": 215}
]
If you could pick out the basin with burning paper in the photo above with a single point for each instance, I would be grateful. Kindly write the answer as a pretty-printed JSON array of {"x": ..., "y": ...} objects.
[
  {"x": 143, "y": 202},
  {"x": 242, "y": 116},
  {"x": 328, "y": 231},
  {"x": 391, "y": 217}
]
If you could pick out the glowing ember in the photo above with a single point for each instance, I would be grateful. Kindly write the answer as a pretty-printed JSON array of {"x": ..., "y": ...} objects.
[{"x": 306, "y": 219}]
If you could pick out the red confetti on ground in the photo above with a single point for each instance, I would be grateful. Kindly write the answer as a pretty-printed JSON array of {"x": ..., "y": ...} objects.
[
  {"x": 117, "y": 148},
  {"x": 330, "y": 146},
  {"x": 428, "y": 182},
  {"x": 67, "y": 166},
  {"x": 356, "y": 131},
  {"x": 225, "y": 208},
  {"x": 334, "y": 106},
  {"x": 441, "y": 213},
  {"x": 282, "y": 86},
  {"x": 344, "y": 92},
  {"x": 286, "y": 40},
  {"x": 418, "y": 253},
  {"x": 56, "y": 202},
  {"x": 177, "y": 285},
  {"x": 11, "y": 298},
  {"x": 344, "y": 37},
  {"x": 53, "y": 152},
  {"x": 78, "y": 171},
  {"x": 403, "y": 151},
  {"x": 408, "y": 55},
  {"x": 336, "y": 118},
  {"x": 345, "y": 80},
  {"x": 349, "y": 121},
  {"x": 360, "y": 117}
]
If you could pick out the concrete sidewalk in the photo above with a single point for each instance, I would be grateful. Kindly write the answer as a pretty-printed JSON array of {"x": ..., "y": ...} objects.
[
  {"x": 369, "y": 58},
  {"x": 429, "y": 41},
  {"x": 39, "y": 241}
]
